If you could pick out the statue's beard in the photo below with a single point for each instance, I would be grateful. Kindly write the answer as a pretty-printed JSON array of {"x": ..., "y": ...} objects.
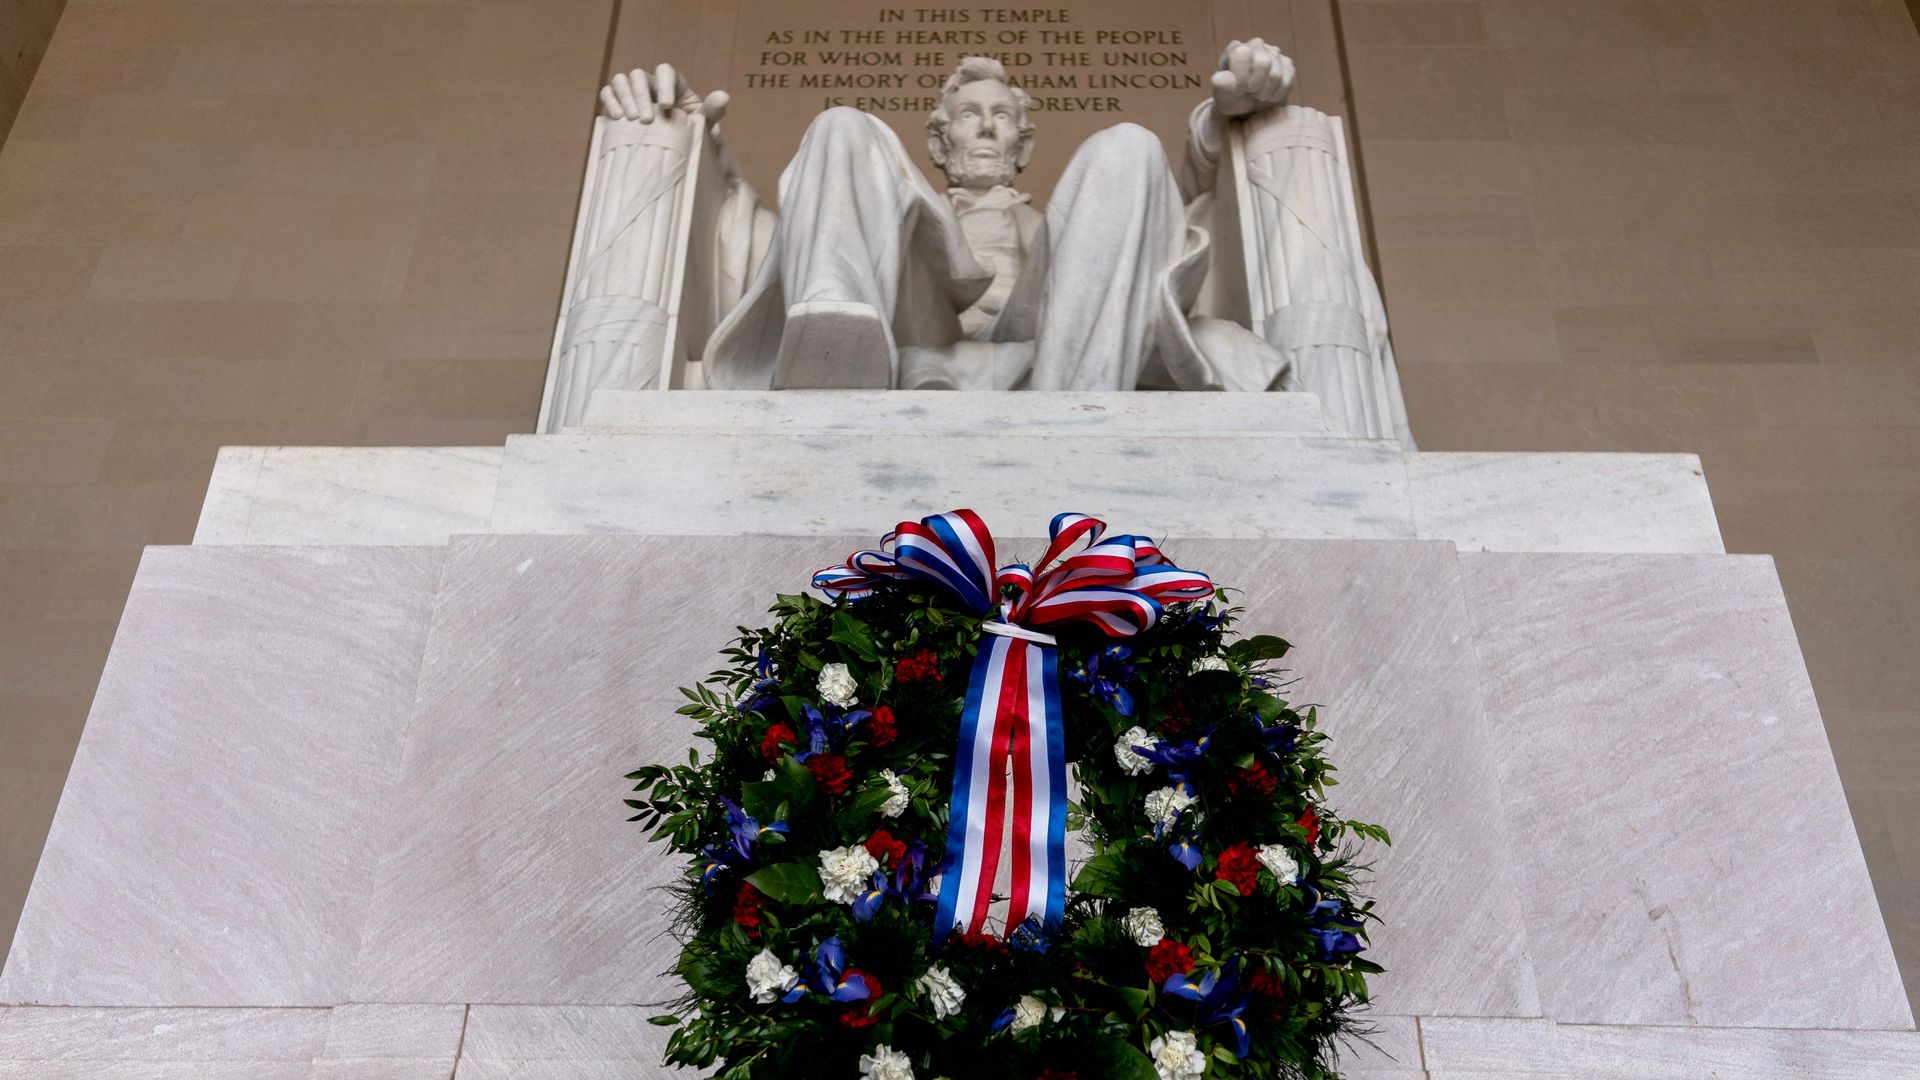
[{"x": 966, "y": 171}]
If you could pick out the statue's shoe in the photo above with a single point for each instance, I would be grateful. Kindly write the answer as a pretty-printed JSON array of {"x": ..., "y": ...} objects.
[{"x": 831, "y": 344}]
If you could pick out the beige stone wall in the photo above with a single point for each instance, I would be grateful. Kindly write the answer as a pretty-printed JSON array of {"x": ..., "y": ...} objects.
[
  {"x": 25, "y": 28},
  {"x": 1684, "y": 225}
]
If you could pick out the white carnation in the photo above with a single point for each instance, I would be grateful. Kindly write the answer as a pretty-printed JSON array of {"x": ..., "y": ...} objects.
[
  {"x": 1278, "y": 859},
  {"x": 886, "y": 1063},
  {"x": 844, "y": 872},
  {"x": 1209, "y": 663},
  {"x": 897, "y": 798},
  {"x": 1123, "y": 750},
  {"x": 1177, "y": 1056},
  {"x": 1144, "y": 926},
  {"x": 1165, "y": 805},
  {"x": 837, "y": 685},
  {"x": 1028, "y": 1013},
  {"x": 946, "y": 995},
  {"x": 768, "y": 978}
]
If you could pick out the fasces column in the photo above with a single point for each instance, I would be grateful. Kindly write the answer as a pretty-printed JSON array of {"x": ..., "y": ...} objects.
[{"x": 1315, "y": 298}]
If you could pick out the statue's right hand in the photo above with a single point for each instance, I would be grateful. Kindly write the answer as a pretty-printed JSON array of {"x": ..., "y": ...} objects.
[{"x": 635, "y": 95}]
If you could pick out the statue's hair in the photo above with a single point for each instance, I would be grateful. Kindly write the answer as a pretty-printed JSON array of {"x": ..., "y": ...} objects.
[{"x": 978, "y": 69}]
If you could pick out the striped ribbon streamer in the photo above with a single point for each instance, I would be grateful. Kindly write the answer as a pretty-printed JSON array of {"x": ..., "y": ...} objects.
[{"x": 1010, "y": 766}]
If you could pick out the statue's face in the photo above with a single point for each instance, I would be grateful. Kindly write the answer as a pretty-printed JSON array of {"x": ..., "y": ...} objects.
[{"x": 983, "y": 135}]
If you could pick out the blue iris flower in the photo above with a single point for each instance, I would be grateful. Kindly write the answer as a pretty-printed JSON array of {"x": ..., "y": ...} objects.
[
  {"x": 1333, "y": 930},
  {"x": 1186, "y": 853},
  {"x": 1276, "y": 739},
  {"x": 746, "y": 831},
  {"x": 1178, "y": 758},
  {"x": 869, "y": 902},
  {"x": 826, "y": 974},
  {"x": 1106, "y": 675},
  {"x": 909, "y": 883},
  {"x": 1222, "y": 1002},
  {"x": 763, "y": 692},
  {"x": 1206, "y": 618},
  {"x": 828, "y": 730}
]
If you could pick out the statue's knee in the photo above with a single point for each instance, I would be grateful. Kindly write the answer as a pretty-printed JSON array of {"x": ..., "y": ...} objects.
[
  {"x": 1125, "y": 142},
  {"x": 839, "y": 122}
]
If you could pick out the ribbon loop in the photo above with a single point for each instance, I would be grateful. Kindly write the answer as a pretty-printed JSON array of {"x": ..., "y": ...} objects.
[{"x": 1010, "y": 767}]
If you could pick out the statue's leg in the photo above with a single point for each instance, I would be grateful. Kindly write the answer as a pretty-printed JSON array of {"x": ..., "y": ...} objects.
[
  {"x": 1094, "y": 281},
  {"x": 849, "y": 203}
]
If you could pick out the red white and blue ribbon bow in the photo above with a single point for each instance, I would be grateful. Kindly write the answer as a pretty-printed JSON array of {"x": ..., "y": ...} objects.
[{"x": 1010, "y": 767}]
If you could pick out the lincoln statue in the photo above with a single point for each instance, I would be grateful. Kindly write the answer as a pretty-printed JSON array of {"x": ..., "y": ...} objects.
[{"x": 868, "y": 277}]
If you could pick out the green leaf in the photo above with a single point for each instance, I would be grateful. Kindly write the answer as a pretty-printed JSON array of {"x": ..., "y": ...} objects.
[
  {"x": 1116, "y": 1059},
  {"x": 1257, "y": 648},
  {"x": 1138, "y": 1001},
  {"x": 1225, "y": 1055},
  {"x": 848, "y": 631},
  {"x": 1100, "y": 876},
  {"x": 789, "y": 883},
  {"x": 865, "y": 805},
  {"x": 794, "y": 783},
  {"x": 761, "y": 800}
]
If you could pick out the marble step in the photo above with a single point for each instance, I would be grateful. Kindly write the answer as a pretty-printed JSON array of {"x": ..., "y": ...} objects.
[
  {"x": 392, "y": 775},
  {"x": 932, "y": 412},
  {"x": 589, "y": 1042},
  {"x": 1296, "y": 486},
  {"x": 346, "y": 1042}
]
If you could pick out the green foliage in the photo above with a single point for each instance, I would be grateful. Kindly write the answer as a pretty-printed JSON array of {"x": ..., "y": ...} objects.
[{"x": 1263, "y": 768}]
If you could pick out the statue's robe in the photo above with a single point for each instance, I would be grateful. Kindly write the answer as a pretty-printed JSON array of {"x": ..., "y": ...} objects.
[{"x": 1099, "y": 300}]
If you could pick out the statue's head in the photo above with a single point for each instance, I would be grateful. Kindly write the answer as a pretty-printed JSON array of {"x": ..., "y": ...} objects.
[{"x": 979, "y": 133}]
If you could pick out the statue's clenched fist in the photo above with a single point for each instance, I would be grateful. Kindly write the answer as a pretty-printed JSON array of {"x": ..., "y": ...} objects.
[
  {"x": 1253, "y": 77},
  {"x": 635, "y": 95}
]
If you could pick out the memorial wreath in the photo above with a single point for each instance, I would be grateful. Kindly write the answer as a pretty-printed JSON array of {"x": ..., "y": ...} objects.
[{"x": 856, "y": 906}]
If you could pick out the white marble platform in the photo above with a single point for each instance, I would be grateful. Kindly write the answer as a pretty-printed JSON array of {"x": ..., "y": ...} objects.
[
  {"x": 223, "y": 815},
  {"x": 1564, "y": 502},
  {"x": 347, "y": 494},
  {"x": 1668, "y": 783},
  {"x": 934, "y": 412},
  {"x": 483, "y": 700},
  {"x": 812, "y": 485},
  {"x": 1301, "y": 486}
]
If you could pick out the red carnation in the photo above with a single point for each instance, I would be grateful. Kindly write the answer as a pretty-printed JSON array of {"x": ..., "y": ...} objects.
[
  {"x": 1240, "y": 865},
  {"x": 746, "y": 909},
  {"x": 1269, "y": 988},
  {"x": 1177, "y": 721},
  {"x": 860, "y": 1014},
  {"x": 777, "y": 735},
  {"x": 881, "y": 845},
  {"x": 830, "y": 770},
  {"x": 920, "y": 667},
  {"x": 1167, "y": 959},
  {"x": 1266, "y": 984},
  {"x": 1310, "y": 823},
  {"x": 1254, "y": 782},
  {"x": 880, "y": 729}
]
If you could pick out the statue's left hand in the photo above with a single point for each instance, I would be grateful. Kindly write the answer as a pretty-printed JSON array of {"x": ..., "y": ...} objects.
[
  {"x": 635, "y": 95},
  {"x": 1253, "y": 77}
]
